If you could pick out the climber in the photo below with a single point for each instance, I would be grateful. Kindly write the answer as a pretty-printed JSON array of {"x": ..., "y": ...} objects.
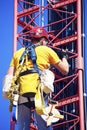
[{"x": 28, "y": 79}]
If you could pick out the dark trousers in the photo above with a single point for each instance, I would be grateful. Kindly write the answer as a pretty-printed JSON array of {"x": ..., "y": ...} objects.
[{"x": 24, "y": 118}]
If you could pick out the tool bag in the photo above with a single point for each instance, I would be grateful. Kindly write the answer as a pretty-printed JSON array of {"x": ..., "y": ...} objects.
[{"x": 47, "y": 79}]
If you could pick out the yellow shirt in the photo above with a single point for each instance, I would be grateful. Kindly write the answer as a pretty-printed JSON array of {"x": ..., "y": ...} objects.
[{"x": 45, "y": 57}]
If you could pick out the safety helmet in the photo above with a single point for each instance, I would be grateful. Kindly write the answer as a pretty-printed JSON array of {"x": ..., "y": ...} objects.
[{"x": 38, "y": 32}]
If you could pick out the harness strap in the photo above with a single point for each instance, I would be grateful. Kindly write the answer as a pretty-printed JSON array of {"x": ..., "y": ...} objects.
[{"x": 27, "y": 72}]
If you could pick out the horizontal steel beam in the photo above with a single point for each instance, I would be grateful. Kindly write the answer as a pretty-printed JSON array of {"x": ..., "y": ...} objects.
[
  {"x": 62, "y": 3},
  {"x": 65, "y": 40},
  {"x": 28, "y": 11}
]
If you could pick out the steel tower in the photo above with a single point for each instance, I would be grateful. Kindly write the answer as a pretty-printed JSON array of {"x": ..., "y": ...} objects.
[{"x": 63, "y": 21}]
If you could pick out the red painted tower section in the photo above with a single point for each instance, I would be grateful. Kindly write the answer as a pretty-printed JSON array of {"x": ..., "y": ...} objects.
[{"x": 64, "y": 32}]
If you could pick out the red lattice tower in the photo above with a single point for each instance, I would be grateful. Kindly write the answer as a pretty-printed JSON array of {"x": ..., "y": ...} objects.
[{"x": 64, "y": 25}]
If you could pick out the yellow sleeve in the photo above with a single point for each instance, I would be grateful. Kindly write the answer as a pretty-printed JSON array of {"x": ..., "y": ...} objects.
[
  {"x": 15, "y": 60},
  {"x": 54, "y": 58}
]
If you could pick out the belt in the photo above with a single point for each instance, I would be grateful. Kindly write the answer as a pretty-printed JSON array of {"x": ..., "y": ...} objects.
[{"x": 27, "y": 72}]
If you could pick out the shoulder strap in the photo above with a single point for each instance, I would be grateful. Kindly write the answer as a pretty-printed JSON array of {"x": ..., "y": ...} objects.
[
  {"x": 32, "y": 55},
  {"x": 30, "y": 51}
]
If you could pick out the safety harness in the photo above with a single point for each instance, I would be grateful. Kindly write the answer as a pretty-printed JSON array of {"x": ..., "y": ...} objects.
[
  {"x": 13, "y": 93},
  {"x": 39, "y": 98}
]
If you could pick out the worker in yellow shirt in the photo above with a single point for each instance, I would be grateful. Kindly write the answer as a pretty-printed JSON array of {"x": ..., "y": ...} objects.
[{"x": 29, "y": 79}]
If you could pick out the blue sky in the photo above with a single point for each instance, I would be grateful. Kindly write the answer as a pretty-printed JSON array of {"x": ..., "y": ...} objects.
[{"x": 6, "y": 41}]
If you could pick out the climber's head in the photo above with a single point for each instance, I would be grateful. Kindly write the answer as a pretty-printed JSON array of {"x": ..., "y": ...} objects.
[{"x": 38, "y": 34}]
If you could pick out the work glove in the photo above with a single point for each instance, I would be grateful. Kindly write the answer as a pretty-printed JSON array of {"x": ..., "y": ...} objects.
[{"x": 63, "y": 54}]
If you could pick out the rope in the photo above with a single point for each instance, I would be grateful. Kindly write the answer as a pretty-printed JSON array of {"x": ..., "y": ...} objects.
[{"x": 14, "y": 89}]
